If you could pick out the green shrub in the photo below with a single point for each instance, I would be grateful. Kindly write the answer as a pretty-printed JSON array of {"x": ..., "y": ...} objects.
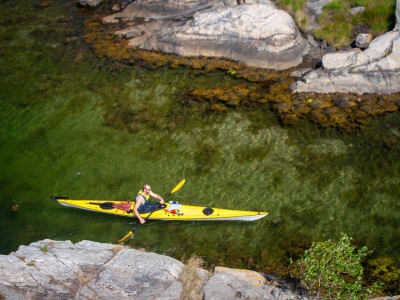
[{"x": 333, "y": 269}]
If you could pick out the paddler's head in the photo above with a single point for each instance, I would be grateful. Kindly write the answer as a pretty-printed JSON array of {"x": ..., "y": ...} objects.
[{"x": 146, "y": 189}]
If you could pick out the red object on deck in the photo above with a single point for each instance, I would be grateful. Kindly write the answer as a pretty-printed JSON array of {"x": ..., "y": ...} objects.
[{"x": 125, "y": 206}]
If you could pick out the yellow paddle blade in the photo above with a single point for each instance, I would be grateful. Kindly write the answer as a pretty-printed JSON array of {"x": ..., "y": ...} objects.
[
  {"x": 125, "y": 237},
  {"x": 178, "y": 186}
]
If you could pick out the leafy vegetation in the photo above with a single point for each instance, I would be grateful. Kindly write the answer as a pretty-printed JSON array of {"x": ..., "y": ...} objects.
[{"x": 333, "y": 269}]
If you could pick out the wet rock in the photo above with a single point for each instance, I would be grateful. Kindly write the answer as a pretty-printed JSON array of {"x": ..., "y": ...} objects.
[
  {"x": 357, "y": 10},
  {"x": 257, "y": 35},
  {"x": 90, "y": 3},
  {"x": 363, "y": 40},
  {"x": 375, "y": 70}
]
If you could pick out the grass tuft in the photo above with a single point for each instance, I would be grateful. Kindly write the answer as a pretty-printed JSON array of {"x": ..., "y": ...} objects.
[
  {"x": 336, "y": 22},
  {"x": 191, "y": 279}
]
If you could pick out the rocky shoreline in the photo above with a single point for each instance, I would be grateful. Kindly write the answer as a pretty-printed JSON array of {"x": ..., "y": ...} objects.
[
  {"x": 50, "y": 269},
  {"x": 258, "y": 34}
]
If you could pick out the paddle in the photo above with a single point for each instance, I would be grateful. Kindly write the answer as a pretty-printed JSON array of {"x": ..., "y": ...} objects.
[{"x": 175, "y": 189}]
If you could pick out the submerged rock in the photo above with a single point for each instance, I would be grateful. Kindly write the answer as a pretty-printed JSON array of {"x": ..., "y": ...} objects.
[{"x": 257, "y": 35}]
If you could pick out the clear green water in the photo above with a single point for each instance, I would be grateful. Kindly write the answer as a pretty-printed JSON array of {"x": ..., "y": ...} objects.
[{"x": 74, "y": 125}]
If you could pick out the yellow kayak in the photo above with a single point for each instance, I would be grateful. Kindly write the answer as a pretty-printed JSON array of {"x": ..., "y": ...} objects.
[{"x": 171, "y": 211}]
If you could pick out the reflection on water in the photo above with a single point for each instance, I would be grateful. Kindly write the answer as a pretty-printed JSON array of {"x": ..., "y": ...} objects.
[{"x": 78, "y": 126}]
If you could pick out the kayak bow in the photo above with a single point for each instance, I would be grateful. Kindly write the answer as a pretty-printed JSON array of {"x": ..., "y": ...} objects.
[{"x": 172, "y": 211}]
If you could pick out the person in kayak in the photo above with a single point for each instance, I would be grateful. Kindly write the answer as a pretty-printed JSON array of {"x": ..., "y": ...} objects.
[{"x": 142, "y": 205}]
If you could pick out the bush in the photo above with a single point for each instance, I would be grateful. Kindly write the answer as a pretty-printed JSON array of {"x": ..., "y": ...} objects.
[{"x": 333, "y": 269}]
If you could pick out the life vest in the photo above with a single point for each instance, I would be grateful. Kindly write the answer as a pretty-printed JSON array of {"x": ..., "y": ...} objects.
[{"x": 146, "y": 197}]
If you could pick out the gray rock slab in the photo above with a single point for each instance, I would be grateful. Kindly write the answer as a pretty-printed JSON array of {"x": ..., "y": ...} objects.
[
  {"x": 227, "y": 284},
  {"x": 338, "y": 60},
  {"x": 375, "y": 70},
  {"x": 257, "y": 35},
  {"x": 62, "y": 270},
  {"x": 138, "y": 275}
]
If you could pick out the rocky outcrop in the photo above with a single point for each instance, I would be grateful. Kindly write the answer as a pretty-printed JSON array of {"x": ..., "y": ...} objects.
[
  {"x": 256, "y": 34},
  {"x": 88, "y": 270},
  {"x": 375, "y": 70}
]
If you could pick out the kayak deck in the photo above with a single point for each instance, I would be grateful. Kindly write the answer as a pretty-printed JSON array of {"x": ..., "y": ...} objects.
[{"x": 172, "y": 211}]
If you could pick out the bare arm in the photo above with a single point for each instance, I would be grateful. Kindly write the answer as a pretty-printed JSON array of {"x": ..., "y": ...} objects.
[
  {"x": 157, "y": 197},
  {"x": 139, "y": 201}
]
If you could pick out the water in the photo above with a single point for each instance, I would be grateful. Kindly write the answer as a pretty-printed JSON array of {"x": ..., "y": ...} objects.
[{"x": 75, "y": 125}]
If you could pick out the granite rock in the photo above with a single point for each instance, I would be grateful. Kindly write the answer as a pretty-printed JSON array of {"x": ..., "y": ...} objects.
[
  {"x": 256, "y": 34},
  {"x": 375, "y": 70},
  {"x": 88, "y": 270},
  {"x": 363, "y": 40}
]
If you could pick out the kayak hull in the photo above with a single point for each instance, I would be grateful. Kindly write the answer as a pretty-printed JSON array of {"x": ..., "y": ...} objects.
[{"x": 185, "y": 213}]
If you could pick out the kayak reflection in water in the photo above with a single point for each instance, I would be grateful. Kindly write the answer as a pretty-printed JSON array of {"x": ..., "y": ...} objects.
[{"x": 142, "y": 205}]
